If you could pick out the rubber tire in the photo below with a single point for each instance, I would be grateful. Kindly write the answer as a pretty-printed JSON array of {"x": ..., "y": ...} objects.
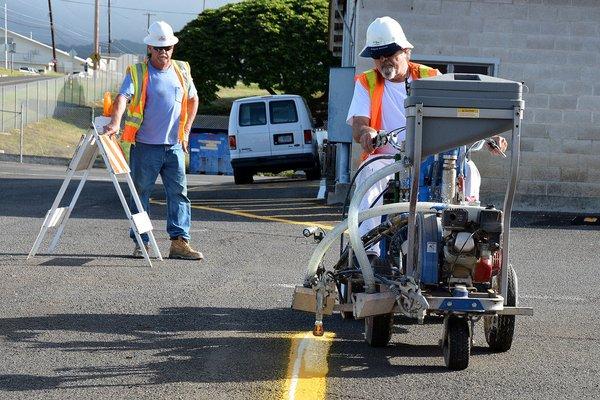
[
  {"x": 242, "y": 178},
  {"x": 499, "y": 329},
  {"x": 457, "y": 344},
  {"x": 378, "y": 329}
]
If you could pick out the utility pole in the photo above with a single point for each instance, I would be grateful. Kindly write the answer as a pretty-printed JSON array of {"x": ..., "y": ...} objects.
[
  {"x": 96, "y": 56},
  {"x": 5, "y": 39},
  {"x": 148, "y": 23},
  {"x": 52, "y": 35},
  {"x": 108, "y": 26}
]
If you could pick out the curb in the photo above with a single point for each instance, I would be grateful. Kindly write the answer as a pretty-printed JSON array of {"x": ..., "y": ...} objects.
[{"x": 45, "y": 160}]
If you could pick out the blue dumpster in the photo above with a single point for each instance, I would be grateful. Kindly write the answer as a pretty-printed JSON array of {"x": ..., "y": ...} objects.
[{"x": 209, "y": 154}]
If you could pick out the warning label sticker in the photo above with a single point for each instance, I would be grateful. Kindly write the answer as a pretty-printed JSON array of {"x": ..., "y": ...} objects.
[{"x": 467, "y": 112}]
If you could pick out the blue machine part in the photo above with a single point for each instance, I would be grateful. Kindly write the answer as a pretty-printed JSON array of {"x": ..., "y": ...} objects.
[
  {"x": 427, "y": 167},
  {"x": 460, "y": 291},
  {"x": 462, "y": 305},
  {"x": 430, "y": 181},
  {"x": 430, "y": 176},
  {"x": 430, "y": 234}
]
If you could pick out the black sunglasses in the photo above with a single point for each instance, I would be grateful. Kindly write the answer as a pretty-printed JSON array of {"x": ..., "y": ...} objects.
[
  {"x": 165, "y": 48},
  {"x": 384, "y": 55}
]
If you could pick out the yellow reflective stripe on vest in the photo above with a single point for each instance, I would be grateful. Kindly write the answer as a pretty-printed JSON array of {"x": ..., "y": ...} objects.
[
  {"x": 425, "y": 71},
  {"x": 134, "y": 119},
  {"x": 184, "y": 70},
  {"x": 137, "y": 76},
  {"x": 134, "y": 111},
  {"x": 371, "y": 76}
]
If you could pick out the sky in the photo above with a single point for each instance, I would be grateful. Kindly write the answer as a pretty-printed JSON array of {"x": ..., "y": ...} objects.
[{"x": 74, "y": 19}]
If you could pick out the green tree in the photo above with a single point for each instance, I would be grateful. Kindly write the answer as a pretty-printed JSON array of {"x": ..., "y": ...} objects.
[{"x": 277, "y": 44}]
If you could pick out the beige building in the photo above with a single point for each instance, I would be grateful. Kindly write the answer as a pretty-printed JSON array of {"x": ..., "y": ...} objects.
[
  {"x": 553, "y": 46},
  {"x": 27, "y": 52}
]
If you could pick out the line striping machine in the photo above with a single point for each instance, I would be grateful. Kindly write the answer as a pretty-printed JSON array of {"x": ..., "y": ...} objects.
[{"x": 442, "y": 254}]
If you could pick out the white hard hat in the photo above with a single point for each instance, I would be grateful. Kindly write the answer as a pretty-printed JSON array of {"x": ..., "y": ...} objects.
[
  {"x": 160, "y": 34},
  {"x": 384, "y": 36}
]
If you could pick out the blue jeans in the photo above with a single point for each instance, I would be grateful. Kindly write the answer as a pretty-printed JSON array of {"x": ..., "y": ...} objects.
[{"x": 146, "y": 161}]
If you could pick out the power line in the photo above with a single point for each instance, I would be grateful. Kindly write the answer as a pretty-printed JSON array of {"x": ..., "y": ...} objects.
[
  {"x": 120, "y": 46},
  {"x": 26, "y": 23},
  {"x": 133, "y": 9},
  {"x": 28, "y": 16},
  {"x": 39, "y": 25},
  {"x": 58, "y": 28}
]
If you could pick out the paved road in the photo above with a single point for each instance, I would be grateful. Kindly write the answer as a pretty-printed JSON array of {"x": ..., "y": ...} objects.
[{"x": 91, "y": 322}]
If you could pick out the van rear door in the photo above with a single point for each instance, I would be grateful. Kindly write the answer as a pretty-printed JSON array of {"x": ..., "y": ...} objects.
[
  {"x": 286, "y": 130},
  {"x": 252, "y": 134}
]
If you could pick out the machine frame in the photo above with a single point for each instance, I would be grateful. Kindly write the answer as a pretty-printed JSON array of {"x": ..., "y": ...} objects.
[{"x": 406, "y": 295}]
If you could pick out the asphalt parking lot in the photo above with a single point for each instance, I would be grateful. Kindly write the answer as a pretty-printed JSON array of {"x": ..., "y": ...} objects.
[{"x": 92, "y": 322}]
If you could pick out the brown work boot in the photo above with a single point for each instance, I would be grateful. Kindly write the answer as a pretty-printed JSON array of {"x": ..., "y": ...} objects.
[{"x": 180, "y": 248}]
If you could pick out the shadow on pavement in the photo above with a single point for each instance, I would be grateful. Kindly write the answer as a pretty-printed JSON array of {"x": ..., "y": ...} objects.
[
  {"x": 256, "y": 350},
  {"x": 289, "y": 199},
  {"x": 67, "y": 261}
]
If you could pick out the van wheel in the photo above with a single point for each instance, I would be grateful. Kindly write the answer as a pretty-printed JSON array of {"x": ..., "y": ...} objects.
[
  {"x": 242, "y": 178},
  {"x": 313, "y": 174}
]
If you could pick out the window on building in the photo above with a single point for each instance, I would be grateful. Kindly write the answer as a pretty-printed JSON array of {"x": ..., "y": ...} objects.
[{"x": 464, "y": 65}]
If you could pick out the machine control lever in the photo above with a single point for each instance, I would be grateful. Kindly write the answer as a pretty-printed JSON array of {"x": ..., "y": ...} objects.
[{"x": 492, "y": 143}]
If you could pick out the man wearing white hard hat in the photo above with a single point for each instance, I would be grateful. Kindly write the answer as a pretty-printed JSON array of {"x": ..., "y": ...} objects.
[
  {"x": 161, "y": 103},
  {"x": 378, "y": 103}
]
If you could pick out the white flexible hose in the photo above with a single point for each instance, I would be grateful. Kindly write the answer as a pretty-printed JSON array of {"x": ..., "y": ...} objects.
[
  {"x": 334, "y": 235},
  {"x": 355, "y": 239}
]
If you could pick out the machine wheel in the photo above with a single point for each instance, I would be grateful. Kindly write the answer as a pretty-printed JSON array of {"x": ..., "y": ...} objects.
[
  {"x": 499, "y": 329},
  {"x": 457, "y": 343},
  {"x": 242, "y": 178},
  {"x": 378, "y": 329}
]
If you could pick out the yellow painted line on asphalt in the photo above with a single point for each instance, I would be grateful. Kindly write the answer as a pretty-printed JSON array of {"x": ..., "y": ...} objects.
[
  {"x": 273, "y": 200},
  {"x": 306, "y": 377},
  {"x": 330, "y": 216},
  {"x": 254, "y": 205},
  {"x": 252, "y": 216},
  {"x": 307, "y": 369},
  {"x": 279, "y": 209}
]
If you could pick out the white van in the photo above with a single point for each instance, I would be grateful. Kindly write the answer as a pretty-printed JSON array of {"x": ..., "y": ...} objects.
[{"x": 272, "y": 134}]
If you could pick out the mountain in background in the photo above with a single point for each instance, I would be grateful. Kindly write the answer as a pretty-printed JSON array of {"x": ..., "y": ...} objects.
[{"x": 117, "y": 46}]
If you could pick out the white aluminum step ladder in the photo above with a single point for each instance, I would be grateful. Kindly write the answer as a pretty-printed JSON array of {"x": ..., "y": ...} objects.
[{"x": 83, "y": 160}]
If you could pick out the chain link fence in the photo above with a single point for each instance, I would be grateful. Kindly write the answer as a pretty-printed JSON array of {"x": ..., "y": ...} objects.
[{"x": 46, "y": 117}]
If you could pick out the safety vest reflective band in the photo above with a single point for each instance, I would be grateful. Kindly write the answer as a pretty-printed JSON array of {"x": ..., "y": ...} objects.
[
  {"x": 135, "y": 111},
  {"x": 374, "y": 83}
]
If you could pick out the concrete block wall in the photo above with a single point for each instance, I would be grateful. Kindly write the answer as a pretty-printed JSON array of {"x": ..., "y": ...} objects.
[{"x": 551, "y": 45}]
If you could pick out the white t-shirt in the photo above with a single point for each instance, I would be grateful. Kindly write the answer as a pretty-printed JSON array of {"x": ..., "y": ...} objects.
[
  {"x": 392, "y": 109},
  {"x": 392, "y": 117}
]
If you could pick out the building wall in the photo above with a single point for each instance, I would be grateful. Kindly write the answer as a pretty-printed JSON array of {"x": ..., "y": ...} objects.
[
  {"x": 553, "y": 46},
  {"x": 33, "y": 54}
]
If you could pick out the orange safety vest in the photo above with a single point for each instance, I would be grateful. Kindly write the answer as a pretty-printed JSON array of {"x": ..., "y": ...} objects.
[
  {"x": 374, "y": 83},
  {"x": 135, "y": 111}
]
